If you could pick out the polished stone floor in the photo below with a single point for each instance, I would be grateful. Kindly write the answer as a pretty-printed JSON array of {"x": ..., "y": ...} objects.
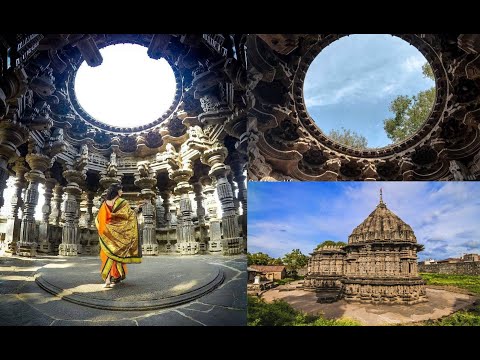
[{"x": 164, "y": 290}]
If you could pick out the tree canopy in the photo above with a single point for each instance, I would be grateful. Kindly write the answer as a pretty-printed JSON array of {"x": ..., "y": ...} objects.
[
  {"x": 410, "y": 112},
  {"x": 295, "y": 260},
  {"x": 258, "y": 259},
  {"x": 262, "y": 259},
  {"x": 349, "y": 137}
]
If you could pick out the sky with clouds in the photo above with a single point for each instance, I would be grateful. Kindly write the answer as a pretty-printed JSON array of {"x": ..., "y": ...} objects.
[
  {"x": 289, "y": 215},
  {"x": 128, "y": 88},
  {"x": 352, "y": 82}
]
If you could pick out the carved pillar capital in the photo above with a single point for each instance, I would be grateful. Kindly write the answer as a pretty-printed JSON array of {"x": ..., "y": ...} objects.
[
  {"x": 181, "y": 177},
  {"x": 215, "y": 158}
]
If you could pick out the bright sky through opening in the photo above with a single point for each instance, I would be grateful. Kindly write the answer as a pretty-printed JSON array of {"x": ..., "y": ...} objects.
[
  {"x": 128, "y": 89},
  {"x": 352, "y": 82}
]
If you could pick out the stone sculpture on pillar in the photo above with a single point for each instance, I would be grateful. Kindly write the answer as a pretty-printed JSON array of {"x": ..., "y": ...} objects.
[{"x": 110, "y": 175}]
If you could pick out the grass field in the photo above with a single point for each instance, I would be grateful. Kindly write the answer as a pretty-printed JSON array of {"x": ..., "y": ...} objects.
[
  {"x": 468, "y": 317},
  {"x": 467, "y": 282}
]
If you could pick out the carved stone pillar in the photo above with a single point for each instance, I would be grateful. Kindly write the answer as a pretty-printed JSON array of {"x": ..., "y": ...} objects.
[
  {"x": 238, "y": 166},
  {"x": 186, "y": 243},
  {"x": 93, "y": 245},
  {"x": 90, "y": 220},
  {"x": 149, "y": 243},
  {"x": 3, "y": 179},
  {"x": 159, "y": 205},
  {"x": 70, "y": 244},
  {"x": 166, "y": 196},
  {"x": 27, "y": 246},
  {"x": 88, "y": 236},
  {"x": 236, "y": 202},
  {"x": 202, "y": 228},
  {"x": 215, "y": 229},
  {"x": 45, "y": 245},
  {"x": 215, "y": 157},
  {"x": 197, "y": 188},
  {"x": 56, "y": 213},
  {"x": 12, "y": 231},
  {"x": 12, "y": 135},
  {"x": 166, "y": 206},
  {"x": 174, "y": 210}
]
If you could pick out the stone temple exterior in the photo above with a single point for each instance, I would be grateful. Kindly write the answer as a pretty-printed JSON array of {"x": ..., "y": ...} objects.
[{"x": 379, "y": 264}]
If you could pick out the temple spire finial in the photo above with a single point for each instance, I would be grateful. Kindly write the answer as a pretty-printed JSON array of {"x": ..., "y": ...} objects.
[{"x": 381, "y": 198}]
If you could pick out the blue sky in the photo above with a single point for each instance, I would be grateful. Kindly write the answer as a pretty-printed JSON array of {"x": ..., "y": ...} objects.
[
  {"x": 352, "y": 82},
  {"x": 288, "y": 215}
]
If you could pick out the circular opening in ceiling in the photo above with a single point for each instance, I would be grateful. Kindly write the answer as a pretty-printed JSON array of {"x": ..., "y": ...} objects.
[
  {"x": 128, "y": 89},
  {"x": 369, "y": 91}
]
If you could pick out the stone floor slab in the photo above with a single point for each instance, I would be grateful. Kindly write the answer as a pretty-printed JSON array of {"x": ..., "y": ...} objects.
[{"x": 34, "y": 306}]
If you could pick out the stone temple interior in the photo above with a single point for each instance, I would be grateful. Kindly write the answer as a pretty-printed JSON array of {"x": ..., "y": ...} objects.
[
  {"x": 286, "y": 143},
  {"x": 196, "y": 152}
]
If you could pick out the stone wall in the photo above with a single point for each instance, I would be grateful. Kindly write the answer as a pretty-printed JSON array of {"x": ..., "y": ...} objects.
[{"x": 462, "y": 268}]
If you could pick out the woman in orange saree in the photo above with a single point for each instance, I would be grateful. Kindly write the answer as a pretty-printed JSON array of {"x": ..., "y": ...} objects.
[{"x": 118, "y": 236}]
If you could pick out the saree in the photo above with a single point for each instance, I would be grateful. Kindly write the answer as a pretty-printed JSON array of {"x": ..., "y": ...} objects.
[{"x": 118, "y": 238}]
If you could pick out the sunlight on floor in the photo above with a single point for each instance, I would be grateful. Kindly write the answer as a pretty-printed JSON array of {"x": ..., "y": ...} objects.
[
  {"x": 82, "y": 289},
  {"x": 185, "y": 286},
  {"x": 58, "y": 266},
  {"x": 38, "y": 298},
  {"x": 15, "y": 278},
  {"x": 18, "y": 268}
]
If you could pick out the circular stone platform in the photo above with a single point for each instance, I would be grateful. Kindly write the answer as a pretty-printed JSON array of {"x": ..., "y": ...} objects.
[
  {"x": 440, "y": 303},
  {"x": 153, "y": 284}
]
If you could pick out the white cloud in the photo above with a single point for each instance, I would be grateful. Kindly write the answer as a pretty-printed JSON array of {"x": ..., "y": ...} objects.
[
  {"x": 364, "y": 68},
  {"x": 413, "y": 63}
]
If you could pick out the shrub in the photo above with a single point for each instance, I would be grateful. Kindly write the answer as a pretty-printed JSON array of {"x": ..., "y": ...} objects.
[{"x": 281, "y": 313}]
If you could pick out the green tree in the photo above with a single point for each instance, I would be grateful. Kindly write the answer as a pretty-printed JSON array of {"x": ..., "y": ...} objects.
[
  {"x": 349, "y": 138},
  {"x": 341, "y": 243},
  {"x": 295, "y": 260},
  {"x": 277, "y": 261},
  {"x": 428, "y": 71},
  {"x": 258, "y": 259},
  {"x": 410, "y": 112}
]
